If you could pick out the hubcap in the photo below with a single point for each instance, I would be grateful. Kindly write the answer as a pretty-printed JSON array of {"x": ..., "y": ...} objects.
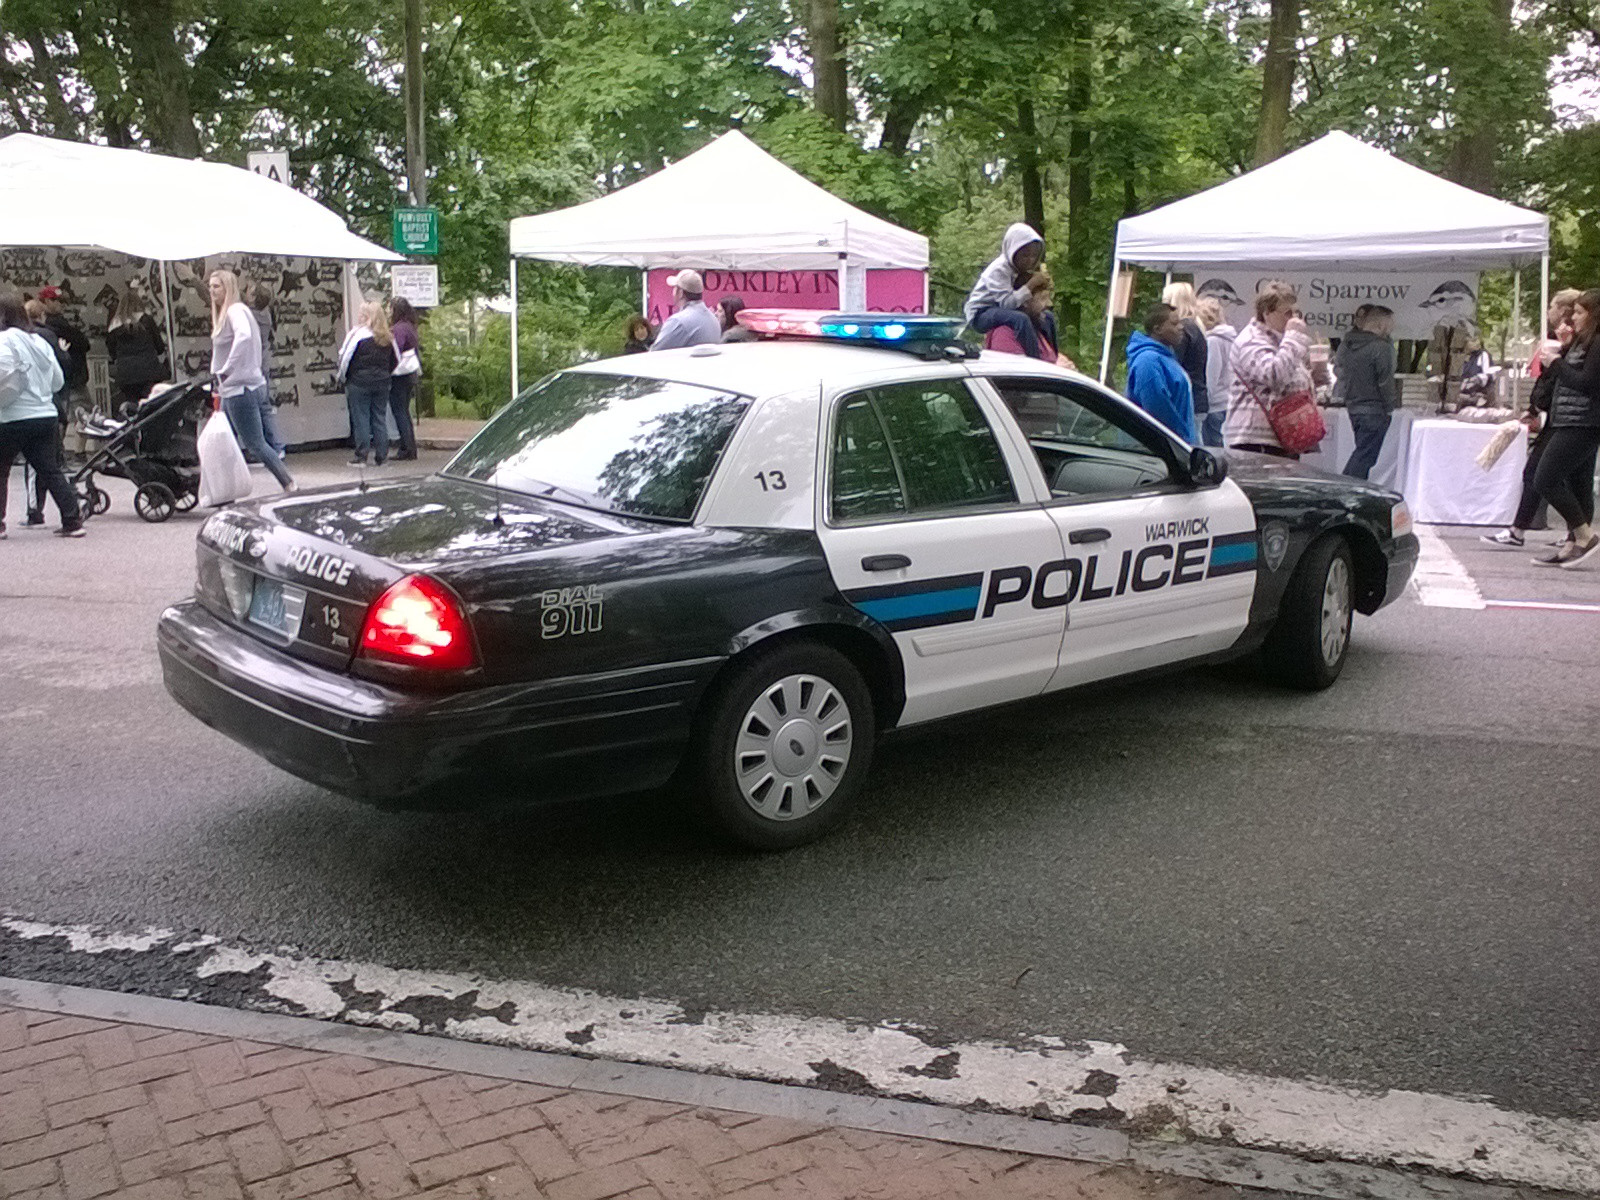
[
  {"x": 1335, "y": 611},
  {"x": 793, "y": 747}
]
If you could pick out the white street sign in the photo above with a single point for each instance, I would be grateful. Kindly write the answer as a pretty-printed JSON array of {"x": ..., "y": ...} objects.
[
  {"x": 274, "y": 164},
  {"x": 418, "y": 283}
]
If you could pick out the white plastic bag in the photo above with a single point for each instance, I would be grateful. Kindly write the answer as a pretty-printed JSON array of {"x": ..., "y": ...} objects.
[{"x": 224, "y": 475}]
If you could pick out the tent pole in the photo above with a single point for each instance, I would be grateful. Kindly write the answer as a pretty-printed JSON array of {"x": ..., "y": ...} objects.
[
  {"x": 166, "y": 303},
  {"x": 1544, "y": 292},
  {"x": 844, "y": 271},
  {"x": 1111, "y": 303},
  {"x": 1516, "y": 319},
  {"x": 514, "y": 347}
]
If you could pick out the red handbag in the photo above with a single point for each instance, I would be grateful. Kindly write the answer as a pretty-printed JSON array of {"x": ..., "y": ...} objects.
[{"x": 1296, "y": 420}]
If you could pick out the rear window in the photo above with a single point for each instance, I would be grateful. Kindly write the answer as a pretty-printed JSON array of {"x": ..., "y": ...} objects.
[{"x": 612, "y": 442}]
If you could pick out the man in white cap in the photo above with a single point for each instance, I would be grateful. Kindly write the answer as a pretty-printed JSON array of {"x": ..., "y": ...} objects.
[{"x": 693, "y": 323}]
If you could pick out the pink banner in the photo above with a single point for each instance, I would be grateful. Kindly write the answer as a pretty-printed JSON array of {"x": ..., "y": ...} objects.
[{"x": 887, "y": 291}]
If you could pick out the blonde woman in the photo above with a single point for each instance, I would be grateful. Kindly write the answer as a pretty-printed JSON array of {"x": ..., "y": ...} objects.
[
  {"x": 366, "y": 364},
  {"x": 236, "y": 363},
  {"x": 1191, "y": 351}
]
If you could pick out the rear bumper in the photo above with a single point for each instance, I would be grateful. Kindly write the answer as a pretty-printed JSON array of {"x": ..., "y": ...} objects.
[{"x": 554, "y": 739}]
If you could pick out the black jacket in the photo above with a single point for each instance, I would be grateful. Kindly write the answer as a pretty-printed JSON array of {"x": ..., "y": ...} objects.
[
  {"x": 77, "y": 343},
  {"x": 1575, "y": 402},
  {"x": 1364, "y": 373},
  {"x": 371, "y": 365},
  {"x": 136, "y": 351},
  {"x": 1192, "y": 354}
]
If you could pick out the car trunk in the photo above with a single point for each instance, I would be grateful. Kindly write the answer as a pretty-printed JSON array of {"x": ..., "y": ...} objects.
[{"x": 300, "y": 571}]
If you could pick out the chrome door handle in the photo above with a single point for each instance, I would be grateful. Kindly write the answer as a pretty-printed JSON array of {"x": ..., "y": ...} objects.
[
  {"x": 1079, "y": 536},
  {"x": 885, "y": 562}
]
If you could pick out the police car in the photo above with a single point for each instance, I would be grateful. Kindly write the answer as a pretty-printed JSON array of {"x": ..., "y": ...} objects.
[{"x": 737, "y": 565}]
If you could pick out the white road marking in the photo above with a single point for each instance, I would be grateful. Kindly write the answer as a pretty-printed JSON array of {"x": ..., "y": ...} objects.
[
  {"x": 1440, "y": 581},
  {"x": 1089, "y": 1081},
  {"x": 1546, "y": 605}
]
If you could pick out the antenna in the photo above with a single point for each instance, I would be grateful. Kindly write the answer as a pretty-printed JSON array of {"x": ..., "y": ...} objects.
[{"x": 494, "y": 481}]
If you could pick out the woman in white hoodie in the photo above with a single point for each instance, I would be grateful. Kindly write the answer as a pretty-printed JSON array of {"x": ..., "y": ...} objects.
[
  {"x": 30, "y": 376},
  {"x": 1219, "y": 366},
  {"x": 236, "y": 363}
]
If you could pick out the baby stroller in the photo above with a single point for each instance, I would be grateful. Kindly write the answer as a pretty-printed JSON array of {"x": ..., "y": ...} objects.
[{"x": 155, "y": 449}]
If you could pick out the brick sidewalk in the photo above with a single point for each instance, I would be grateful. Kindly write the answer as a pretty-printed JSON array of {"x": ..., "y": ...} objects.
[{"x": 100, "y": 1108}]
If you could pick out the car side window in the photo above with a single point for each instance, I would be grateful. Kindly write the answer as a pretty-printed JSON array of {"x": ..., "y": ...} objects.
[
  {"x": 916, "y": 448},
  {"x": 1085, "y": 446}
]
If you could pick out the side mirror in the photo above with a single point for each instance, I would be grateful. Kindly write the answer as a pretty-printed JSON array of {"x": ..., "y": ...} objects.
[{"x": 1205, "y": 468}]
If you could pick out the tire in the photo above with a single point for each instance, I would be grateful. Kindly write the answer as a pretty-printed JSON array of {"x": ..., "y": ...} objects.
[
  {"x": 1307, "y": 647},
  {"x": 187, "y": 500},
  {"x": 154, "y": 502},
  {"x": 766, "y": 793},
  {"x": 94, "y": 500}
]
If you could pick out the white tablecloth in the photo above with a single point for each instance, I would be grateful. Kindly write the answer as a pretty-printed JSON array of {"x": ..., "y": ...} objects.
[
  {"x": 1443, "y": 483},
  {"x": 1337, "y": 447}
]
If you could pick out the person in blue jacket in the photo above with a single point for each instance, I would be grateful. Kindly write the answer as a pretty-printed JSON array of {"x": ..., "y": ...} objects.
[{"x": 1156, "y": 381}]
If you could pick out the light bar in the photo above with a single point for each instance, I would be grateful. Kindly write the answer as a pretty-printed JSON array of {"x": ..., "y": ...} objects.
[{"x": 881, "y": 328}]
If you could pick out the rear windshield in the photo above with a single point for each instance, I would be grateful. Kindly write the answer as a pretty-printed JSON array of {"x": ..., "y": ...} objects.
[{"x": 612, "y": 442}]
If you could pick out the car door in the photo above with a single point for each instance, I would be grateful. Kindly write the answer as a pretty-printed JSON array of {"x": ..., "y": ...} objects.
[
  {"x": 931, "y": 525},
  {"x": 1156, "y": 569}
]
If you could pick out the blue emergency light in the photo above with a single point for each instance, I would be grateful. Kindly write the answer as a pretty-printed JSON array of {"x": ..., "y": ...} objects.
[{"x": 871, "y": 328}]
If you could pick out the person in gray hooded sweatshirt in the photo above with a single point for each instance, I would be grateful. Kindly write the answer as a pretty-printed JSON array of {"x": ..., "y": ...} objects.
[
  {"x": 1364, "y": 379},
  {"x": 1001, "y": 294}
]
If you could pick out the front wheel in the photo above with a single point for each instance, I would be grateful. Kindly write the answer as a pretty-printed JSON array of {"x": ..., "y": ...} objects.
[
  {"x": 154, "y": 502},
  {"x": 1308, "y": 645},
  {"x": 783, "y": 746}
]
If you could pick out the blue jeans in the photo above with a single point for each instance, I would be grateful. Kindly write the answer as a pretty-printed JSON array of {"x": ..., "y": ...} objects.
[
  {"x": 244, "y": 414},
  {"x": 1211, "y": 426},
  {"x": 369, "y": 419},
  {"x": 1369, "y": 430},
  {"x": 269, "y": 421},
  {"x": 400, "y": 389},
  {"x": 1021, "y": 324}
]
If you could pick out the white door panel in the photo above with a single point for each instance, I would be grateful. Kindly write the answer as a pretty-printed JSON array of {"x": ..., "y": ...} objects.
[{"x": 1174, "y": 580}]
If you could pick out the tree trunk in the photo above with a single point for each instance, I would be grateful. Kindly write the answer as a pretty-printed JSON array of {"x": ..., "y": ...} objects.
[
  {"x": 1277, "y": 79},
  {"x": 161, "y": 78},
  {"x": 63, "y": 121},
  {"x": 899, "y": 123},
  {"x": 1080, "y": 171},
  {"x": 1028, "y": 169},
  {"x": 830, "y": 89},
  {"x": 1474, "y": 156},
  {"x": 416, "y": 136}
]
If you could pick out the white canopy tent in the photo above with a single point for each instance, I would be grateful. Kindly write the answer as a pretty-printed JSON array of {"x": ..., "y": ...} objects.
[
  {"x": 152, "y": 206},
  {"x": 1334, "y": 203},
  {"x": 729, "y": 204}
]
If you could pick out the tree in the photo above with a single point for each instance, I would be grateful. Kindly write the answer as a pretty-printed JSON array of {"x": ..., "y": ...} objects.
[
  {"x": 1277, "y": 79},
  {"x": 830, "y": 82}
]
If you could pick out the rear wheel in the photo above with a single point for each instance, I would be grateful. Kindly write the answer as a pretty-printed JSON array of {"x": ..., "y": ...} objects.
[
  {"x": 154, "y": 502},
  {"x": 187, "y": 500},
  {"x": 1308, "y": 645},
  {"x": 783, "y": 746}
]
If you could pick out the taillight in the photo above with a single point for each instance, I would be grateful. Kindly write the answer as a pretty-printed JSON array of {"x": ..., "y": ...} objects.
[{"x": 417, "y": 621}]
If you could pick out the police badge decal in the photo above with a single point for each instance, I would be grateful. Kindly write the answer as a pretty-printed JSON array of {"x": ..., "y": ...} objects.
[{"x": 1274, "y": 543}]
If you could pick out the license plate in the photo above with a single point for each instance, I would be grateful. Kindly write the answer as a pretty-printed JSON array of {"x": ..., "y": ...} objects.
[{"x": 277, "y": 606}]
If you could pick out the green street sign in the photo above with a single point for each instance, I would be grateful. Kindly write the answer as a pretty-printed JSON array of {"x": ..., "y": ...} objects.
[{"x": 416, "y": 230}]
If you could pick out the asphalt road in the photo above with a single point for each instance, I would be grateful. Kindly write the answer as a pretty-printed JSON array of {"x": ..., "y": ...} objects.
[{"x": 1391, "y": 884}]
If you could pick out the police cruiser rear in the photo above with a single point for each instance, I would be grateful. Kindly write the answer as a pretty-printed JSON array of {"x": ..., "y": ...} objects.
[{"x": 734, "y": 567}]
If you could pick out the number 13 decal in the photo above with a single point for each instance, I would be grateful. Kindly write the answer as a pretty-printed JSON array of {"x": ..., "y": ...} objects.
[{"x": 771, "y": 481}]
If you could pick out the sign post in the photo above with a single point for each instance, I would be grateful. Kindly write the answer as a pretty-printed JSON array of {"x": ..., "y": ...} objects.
[{"x": 416, "y": 230}]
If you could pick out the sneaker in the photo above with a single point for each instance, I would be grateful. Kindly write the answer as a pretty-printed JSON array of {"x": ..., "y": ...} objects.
[
  {"x": 1551, "y": 559},
  {"x": 1578, "y": 554},
  {"x": 2, "y": 531},
  {"x": 73, "y": 531},
  {"x": 358, "y": 460},
  {"x": 35, "y": 517},
  {"x": 1506, "y": 539}
]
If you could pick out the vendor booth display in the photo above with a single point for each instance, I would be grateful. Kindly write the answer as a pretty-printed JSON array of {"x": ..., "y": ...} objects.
[
  {"x": 730, "y": 209},
  {"x": 91, "y": 219},
  {"x": 1348, "y": 224}
]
